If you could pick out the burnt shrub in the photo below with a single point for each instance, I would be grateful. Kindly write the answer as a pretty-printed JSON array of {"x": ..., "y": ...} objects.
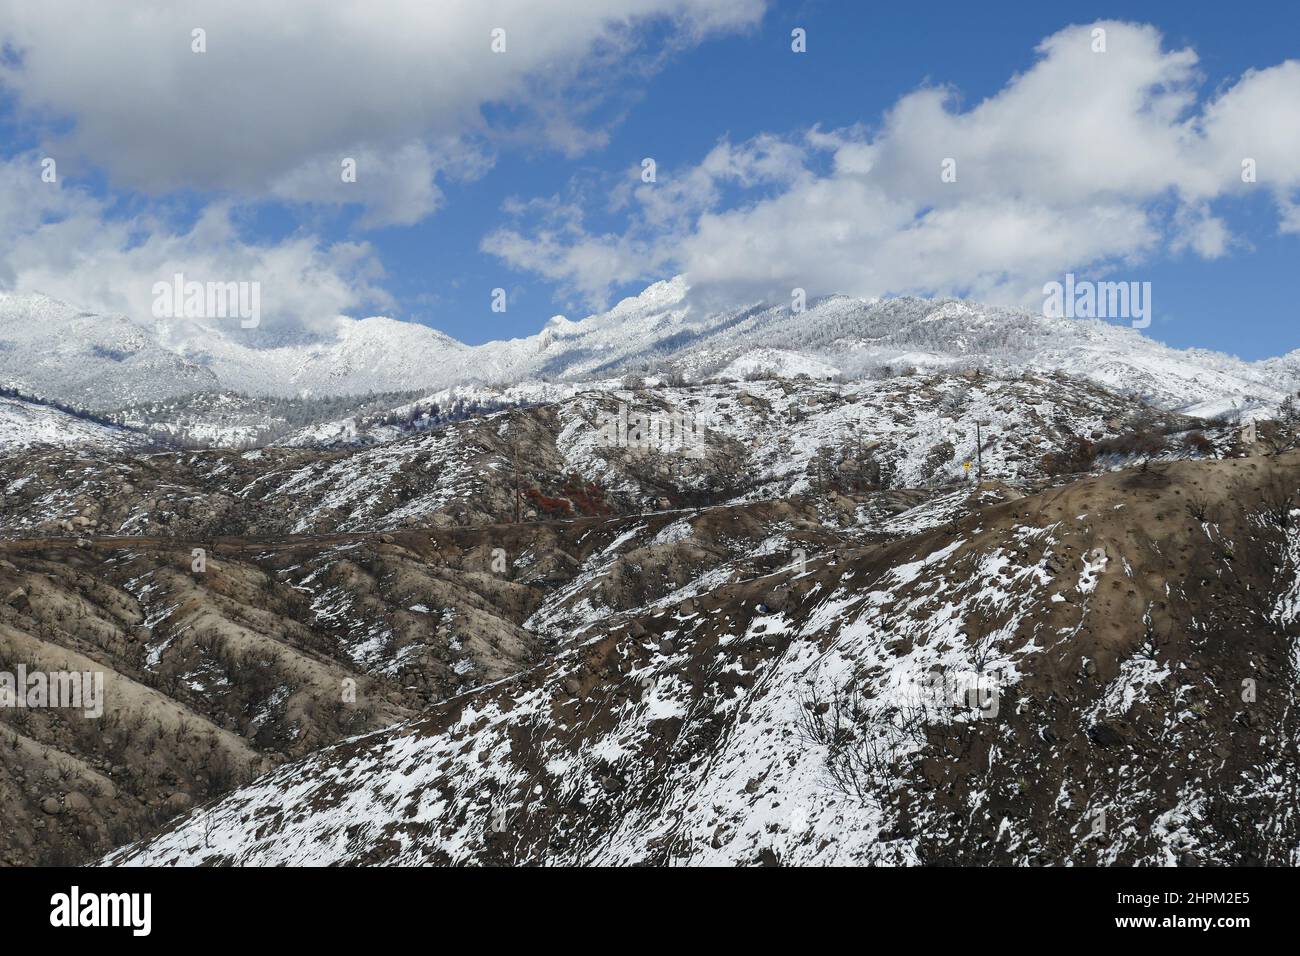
[
  {"x": 1078, "y": 456},
  {"x": 1143, "y": 441},
  {"x": 1196, "y": 443}
]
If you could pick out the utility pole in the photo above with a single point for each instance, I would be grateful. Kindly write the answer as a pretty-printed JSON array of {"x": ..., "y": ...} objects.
[{"x": 979, "y": 450}]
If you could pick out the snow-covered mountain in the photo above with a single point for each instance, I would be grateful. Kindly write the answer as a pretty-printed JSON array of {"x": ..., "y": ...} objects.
[{"x": 53, "y": 350}]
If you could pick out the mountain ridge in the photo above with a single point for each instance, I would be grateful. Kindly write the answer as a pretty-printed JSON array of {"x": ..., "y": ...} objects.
[{"x": 53, "y": 350}]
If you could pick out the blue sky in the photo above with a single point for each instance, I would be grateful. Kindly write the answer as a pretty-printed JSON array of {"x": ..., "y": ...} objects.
[{"x": 536, "y": 179}]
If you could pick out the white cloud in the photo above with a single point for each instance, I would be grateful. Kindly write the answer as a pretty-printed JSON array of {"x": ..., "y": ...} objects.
[
  {"x": 1257, "y": 118},
  {"x": 288, "y": 88},
  {"x": 1196, "y": 228},
  {"x": 1085, "y": 161},
  {"x": 285, "y": 92},
  {"x": 559, "y": 248},
  {"x": 68, "y": 244},
  {"x": 396, "y": 187}
]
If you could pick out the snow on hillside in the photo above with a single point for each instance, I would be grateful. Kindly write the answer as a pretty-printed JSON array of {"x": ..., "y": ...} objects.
[
  {"x": 918, "y": 430},
  {"x": 53, "y": 350},
  {"x": 25, "y": 424},
  {"x": 760, "y": 440},
  {"x": 460, "y": 779},
  {"x": 974, "y": 694},
  {"x": 781, "y": 363}
]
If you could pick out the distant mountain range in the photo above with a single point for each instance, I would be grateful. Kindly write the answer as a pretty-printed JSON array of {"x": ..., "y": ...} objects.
[{"x": 53, "y": 350}]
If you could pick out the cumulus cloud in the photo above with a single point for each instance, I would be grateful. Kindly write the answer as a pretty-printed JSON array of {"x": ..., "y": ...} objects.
[
  {"x": 559, "y": 247},
  {"x": 1087, "y": 160},
  {"x": 286, "y": 90},
  {"x": 69, "y": 244}
]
